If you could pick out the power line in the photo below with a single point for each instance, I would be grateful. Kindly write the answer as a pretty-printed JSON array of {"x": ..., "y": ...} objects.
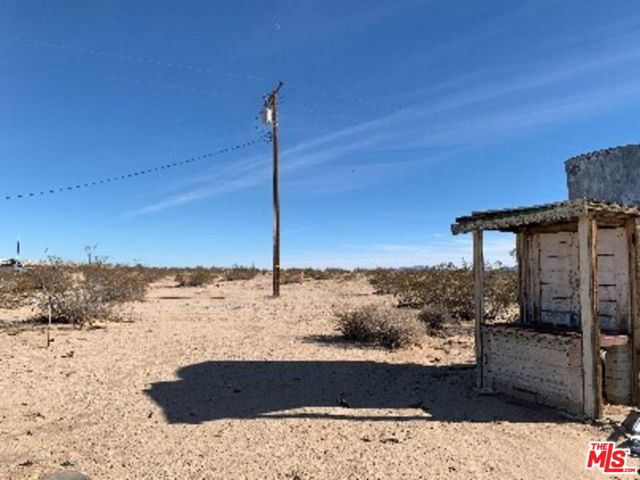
[{"x": 266, "y": 138}]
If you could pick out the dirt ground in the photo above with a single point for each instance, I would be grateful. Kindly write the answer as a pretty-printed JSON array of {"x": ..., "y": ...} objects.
[{"x": 225, "y": 382}]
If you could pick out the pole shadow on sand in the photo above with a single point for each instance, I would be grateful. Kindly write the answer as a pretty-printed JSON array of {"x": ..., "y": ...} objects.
[{"x": 240, "y": 389}]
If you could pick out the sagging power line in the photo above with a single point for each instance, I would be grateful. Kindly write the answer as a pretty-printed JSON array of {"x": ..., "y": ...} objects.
[{"x": 266, "y": 138}]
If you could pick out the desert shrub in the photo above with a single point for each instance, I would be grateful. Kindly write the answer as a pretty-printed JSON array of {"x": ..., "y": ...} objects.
[
  {"x": 445, "y": 286},
  {"x": 448, "y": 288},
  {"x": 14, "y": 289},
  {"x": 196, "y": 277},
  {"x": 434, "y": 318},
  {"x": 339, "y": 274},
  {"x": 240, "y": 273},
  {"x": 112, "y": 284},
  {"x": 77, "y": 305},
  {"x": 385, "y": 326},
  {"x": 75, "y": 293},
  {"x": 292, "y": 275},
  {"x": 58, "y": 288},
  {"x": 384, "y": 281},
  {"x": 80, "y": 294},
  {"x": 298, "y": 275},
  {"x": 501, "y": 291},
  {"x": 7, "y": 287},
  {"x": 151, "y": 274}
]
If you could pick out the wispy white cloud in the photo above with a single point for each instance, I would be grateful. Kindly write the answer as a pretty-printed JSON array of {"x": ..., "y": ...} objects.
[
  {"x": 340, "y": 178},
  {"x": 197, "y": 194},
  {"x": 433, "y": 252},
  {"x": 464, "y": 119},
  {"x": 239, "y": 175}
]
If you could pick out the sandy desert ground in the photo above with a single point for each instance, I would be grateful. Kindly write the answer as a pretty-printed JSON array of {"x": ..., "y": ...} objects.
[{"x": 225, "y": 382}]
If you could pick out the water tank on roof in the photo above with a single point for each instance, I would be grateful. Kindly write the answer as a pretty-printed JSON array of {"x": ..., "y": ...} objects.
[{"x": 612, "y": 175}]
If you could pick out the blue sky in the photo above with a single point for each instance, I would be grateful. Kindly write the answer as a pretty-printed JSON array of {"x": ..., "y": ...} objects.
[{"x": 397, "y": 116}]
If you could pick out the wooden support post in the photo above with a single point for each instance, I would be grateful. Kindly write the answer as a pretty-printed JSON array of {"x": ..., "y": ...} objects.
[
  {"x": 272, "y": 102},
  {"x": 522, "y": 256},
  {"x": 634, "y": 324},
  {"x": 589, "y": 315},
  {"x": 276, "y": 197},
  {"x": 478, "y": 275},
  {"x": 534, "y": 283}
]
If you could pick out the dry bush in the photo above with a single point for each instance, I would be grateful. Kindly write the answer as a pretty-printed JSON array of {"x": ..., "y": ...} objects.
[
  {"x": 444, "y": 286},
  {"x": 384, "y": 326},
  {"x": 240, "y": 273},
  {"x": 7, "y": 288},
  {"x": 339, "y": 274},
  {"x": 448, "y": 288},
  {"x": 385, "y": 281},
  {"x": 80, "y": 294},
  {"x": 113, "y": 284},
  {"x": 501, "y": 291},
  {"x": 292, "y": 275},
  {"x": 312, "y": 273},
  {"x": 435, "y": 319},
  {"x": 196, "y": 277},
  {"x": 76, "y": 294},
  {"x": 151, "y": 274},
  {"x": 15, "y": 289},
  {"x": 298, "y": 275},
  {"x": 58, "y": 288}
]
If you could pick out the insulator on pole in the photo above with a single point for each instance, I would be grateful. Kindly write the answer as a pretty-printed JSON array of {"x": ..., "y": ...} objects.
[{"x": 267, "y": 115}]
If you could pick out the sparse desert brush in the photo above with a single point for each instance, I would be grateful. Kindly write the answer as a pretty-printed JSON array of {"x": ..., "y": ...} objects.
[
  {"x": 80, "y": 294},
  {"x": 115, "y": 283},
  {"x": 380, "y": 325},
  {"x": 240, "y": 273},
  {"x": 339, "y": 274},
  {"x": 384, "y": 280},
  {"x": 151, "y": 274},
  {"x": 445, "y": 286},
  {"x": 15, "y": 288},
  {"x": 292, "y": 275},
  {"x": 435, "y": 319},
  {"x": 7, "y": 288},
  {"x": 315, "y": 274},
  {"x": 58, "y": 289},
  {"x": 298, "y": 275},
  {"x": 501, "y": 291},
  {"x": 448, "y": 288},
  {"x": 196, "y": 277}
]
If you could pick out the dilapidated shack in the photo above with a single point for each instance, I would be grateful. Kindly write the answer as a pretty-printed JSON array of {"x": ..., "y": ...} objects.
[{"x": 574, "y": 343}]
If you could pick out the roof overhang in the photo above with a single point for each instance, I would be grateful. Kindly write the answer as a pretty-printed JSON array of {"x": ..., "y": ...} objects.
[{"x": 515, "y": 219}]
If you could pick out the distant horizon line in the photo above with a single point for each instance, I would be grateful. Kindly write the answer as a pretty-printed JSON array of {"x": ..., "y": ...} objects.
[{"x": 30, "y": 261}]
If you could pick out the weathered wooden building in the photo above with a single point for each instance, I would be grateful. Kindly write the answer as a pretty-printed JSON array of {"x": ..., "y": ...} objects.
[{"x": 574, "y": 344}]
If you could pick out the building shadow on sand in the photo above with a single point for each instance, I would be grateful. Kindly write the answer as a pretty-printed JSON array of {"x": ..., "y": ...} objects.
[{"x": 354, "y": 390}]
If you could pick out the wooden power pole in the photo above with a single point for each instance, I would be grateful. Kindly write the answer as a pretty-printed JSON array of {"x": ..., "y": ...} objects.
[{"x": 271, "y": 117}]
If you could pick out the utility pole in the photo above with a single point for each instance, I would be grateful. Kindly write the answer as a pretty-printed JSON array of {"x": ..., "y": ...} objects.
[{"x": 270, "y": 116}]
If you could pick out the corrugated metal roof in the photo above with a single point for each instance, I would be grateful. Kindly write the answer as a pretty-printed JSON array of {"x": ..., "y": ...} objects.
[{"x": 550, "y": 213}]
